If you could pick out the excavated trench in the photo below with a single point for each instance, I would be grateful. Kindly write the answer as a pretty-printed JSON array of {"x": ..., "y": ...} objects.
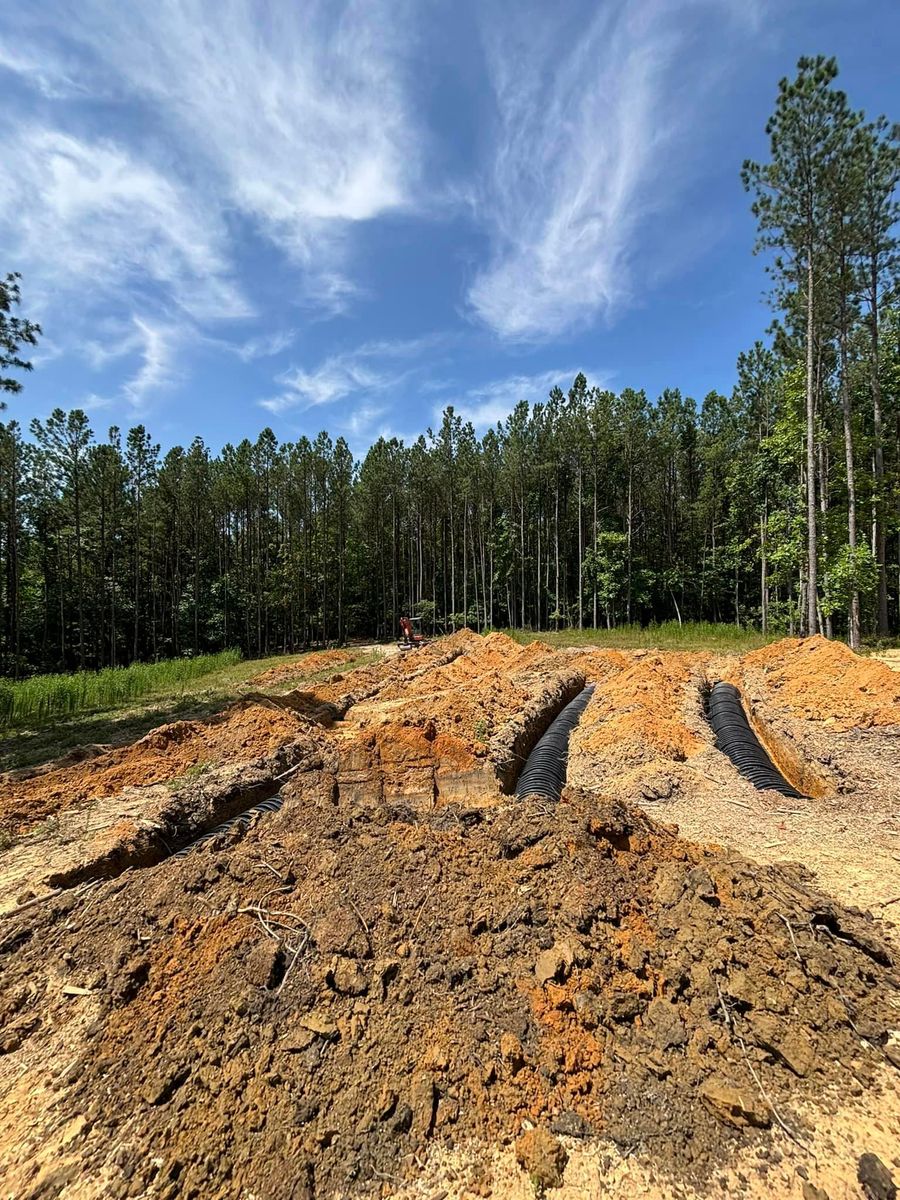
[
  {"x": 544, "y": 772},
  {"x": 238, "y": 806},
  {"x": 736, "y": 739},
  {"x": 514, "y": 744},
  {"x": 538, "y": 738},
  {"x": 242, "y": 820}
]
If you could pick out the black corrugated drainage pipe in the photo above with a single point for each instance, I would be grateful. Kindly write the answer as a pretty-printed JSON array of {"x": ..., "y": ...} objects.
[
  {"x": 735, "y": 738},
  {"x": 544, "y": 772},
  {"x": 244, "y": 818}
]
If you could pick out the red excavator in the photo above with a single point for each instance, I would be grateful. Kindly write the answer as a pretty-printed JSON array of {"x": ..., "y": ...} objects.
[{"x": 411, "y": 637}]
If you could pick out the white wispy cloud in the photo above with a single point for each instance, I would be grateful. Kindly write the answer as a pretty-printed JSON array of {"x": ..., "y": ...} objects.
[
  {"x": 88, "y": 219},
  {"x": 296, "y": 116},
  {"x": 362, "y": 374},
  {"x": 594, "y": 123},
  {"x": 151, "y": 347},
  {"x": 267, "y": 345},
  {"x": 487, "y": 403},
  {"x": 157, "y": 369}
]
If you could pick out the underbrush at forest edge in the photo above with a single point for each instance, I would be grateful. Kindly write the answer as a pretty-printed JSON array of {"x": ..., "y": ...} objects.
[
  {"x": 669, "y": 635},
  {"x": 42, "y": 697}
]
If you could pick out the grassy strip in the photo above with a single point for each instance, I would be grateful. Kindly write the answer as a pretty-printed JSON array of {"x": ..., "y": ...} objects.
[
  {"x": 42, "y": 698},
  {"x": 692, "y": 635},
  {"x": 119, "y": 724}
]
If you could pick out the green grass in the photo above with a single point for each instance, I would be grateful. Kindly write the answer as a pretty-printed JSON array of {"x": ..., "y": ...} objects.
[
  {"x": 692, "y": 635},
  {"x": 43, "y": 698},
  {"x": 118, "y": 723}
]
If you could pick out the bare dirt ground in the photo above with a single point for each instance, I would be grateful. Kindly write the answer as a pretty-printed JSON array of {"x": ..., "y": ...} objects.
[
  {"x": 309, "y": 664},
  {"x": 405, "y": 982}
]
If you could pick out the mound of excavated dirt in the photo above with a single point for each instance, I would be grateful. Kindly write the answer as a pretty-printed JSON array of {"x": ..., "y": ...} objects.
[
  {"x": 243, "y": 732},
  {"x": 309, "y": 664},
  {"x": 639, "y": 710},
  {"x": 330, "y": 700},
  {"x": 826, "y": 681},
  {"x": 305, "y": 1012},
  {"x": 642, "y": 718}
]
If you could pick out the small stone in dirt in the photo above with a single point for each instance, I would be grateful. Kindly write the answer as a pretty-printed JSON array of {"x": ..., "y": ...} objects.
[
  {"x": 589, "y": 1009},
  {"x": 544, "y": 1158},
  {"x": 261, "y": 966},
  {"x": 734, "y": 1105},
  {"x": 554, "y": 963},
  {"x": 511, "y": 1051},
  {"x": 624, "y": 1006},
  {"x": 339, "y": 932},
  {"x": 319, "y": 1024},
  {"x": 798, "y": 1053},
  {"x": 159, "y": 1088},
  {"x": 297, "y": 1040},
  {"x": 403, "y": 1119},
  {"x": 570, "y": 1124},
  {"x": 349, "y": 978},
  {"x": 423, "y": 1100},
  {"x": 877, "y": 1181},
  {"x": 666, "y": 1027},
  {"x": 811, "y": 1192}
]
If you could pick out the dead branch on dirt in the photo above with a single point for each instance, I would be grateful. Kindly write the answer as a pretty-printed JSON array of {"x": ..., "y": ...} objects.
[
  {"x": 362, "y": 920},
  {"x": 20, "y": 908},
  {"x": 725, "y": 1013},
  {"x": 270, "y": 922},
  {"x": 768, "y": 1100},
  {"x": 290, "y": 771},
  {"x": 790, "y": 930},
  {"x": 425, "y": 898},
  {"x": 294, "y": 957}
]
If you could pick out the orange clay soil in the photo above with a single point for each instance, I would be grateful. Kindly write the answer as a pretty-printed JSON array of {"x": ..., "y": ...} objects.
[
  {"x": 466, "y": 697},
  {"x": 637, "y": 712},
  {"x": 243, "y": 732},
  {"x": 310, "y": 664},
  {"x": 825, "y": 681},
  {"x": 364, "y": 682}
]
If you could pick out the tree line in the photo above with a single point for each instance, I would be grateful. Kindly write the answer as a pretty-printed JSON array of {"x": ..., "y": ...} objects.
[{"x": 776, "y": 506}]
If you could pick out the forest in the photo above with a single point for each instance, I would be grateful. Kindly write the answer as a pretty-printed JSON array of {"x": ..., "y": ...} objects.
[{"x": 775, "y": 506}]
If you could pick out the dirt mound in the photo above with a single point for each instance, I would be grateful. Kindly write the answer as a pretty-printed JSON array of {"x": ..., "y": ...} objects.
[
  {"x": 309, "y": 664},
  {"x": 243, "y": 732},
  {"x": 307, "y": 1012},
  {"x": 335, "y": 696},
  {"x": 643, "y": 719},
  {"x": 825, "y": 681}
]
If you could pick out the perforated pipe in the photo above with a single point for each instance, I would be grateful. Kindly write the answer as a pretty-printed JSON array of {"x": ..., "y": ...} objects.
[
  {"x": 735, "y": 738},
  {"x": 244, "y": 818},
  {"x": 544, "y": 772}
]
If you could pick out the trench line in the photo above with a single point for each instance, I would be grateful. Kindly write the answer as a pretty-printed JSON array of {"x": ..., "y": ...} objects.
[
  {"x": 544, "y": 772},
  {"x": 736, "y": 739}
]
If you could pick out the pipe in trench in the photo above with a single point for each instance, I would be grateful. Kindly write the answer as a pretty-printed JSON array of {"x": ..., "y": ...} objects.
[
  {"x": 272, "y": 804},
  {"x": 544, "y": 772},
  {"x": 736, "y": 739}
]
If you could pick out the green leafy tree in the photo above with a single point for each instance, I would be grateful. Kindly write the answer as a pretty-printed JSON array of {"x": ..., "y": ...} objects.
[
  {"x": 791, "y": 204},
  {"x": 15, "y": 333}
]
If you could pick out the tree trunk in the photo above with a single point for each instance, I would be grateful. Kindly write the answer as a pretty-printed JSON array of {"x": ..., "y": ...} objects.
[
  {"x": 880, "y": 532},
  {"x": 851, "y": 482},
  {"x": 811, "y": 610}
]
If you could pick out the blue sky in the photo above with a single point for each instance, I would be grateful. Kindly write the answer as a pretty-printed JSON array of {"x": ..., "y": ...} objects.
[{"x": 337, "y": 215}]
